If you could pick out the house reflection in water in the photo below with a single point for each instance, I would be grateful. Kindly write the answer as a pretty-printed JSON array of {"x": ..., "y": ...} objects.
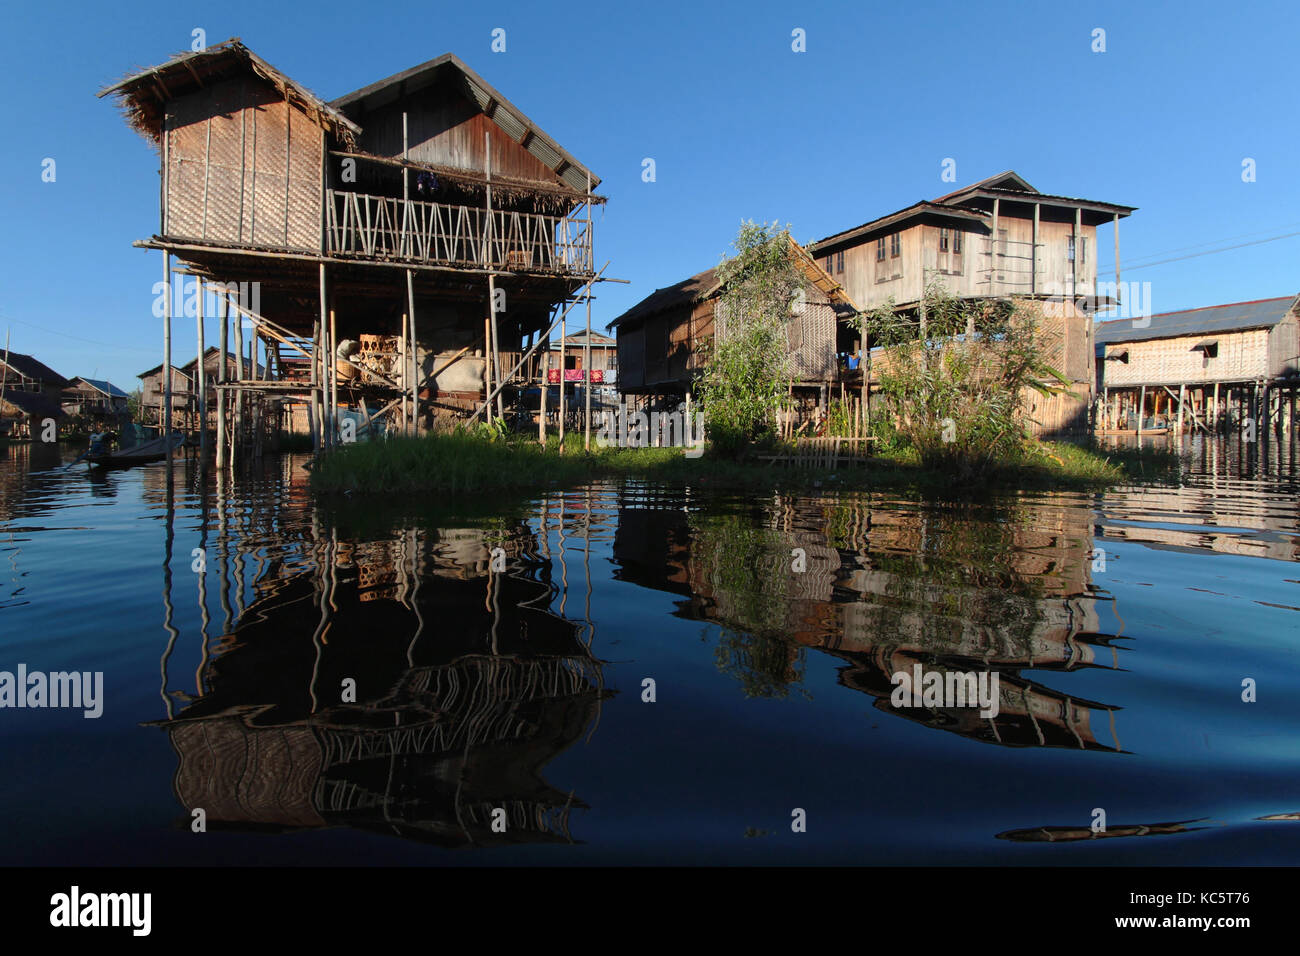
[
  {"x": 886, "y": 587},
  {"x": 466, "y": 686}
]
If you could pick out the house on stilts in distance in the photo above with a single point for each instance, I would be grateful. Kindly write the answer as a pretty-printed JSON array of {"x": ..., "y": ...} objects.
[
  {"x": 662, "y": 339},
  {"x": 1201, "y": 369},
  {"x": 373, "y": 231},
  {"x": 997, "y": 238}
]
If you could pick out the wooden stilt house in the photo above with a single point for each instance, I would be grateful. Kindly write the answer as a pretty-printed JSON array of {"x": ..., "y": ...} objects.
[
  {"x": 1200, "y": 369},
  {"x": 661, "y": 337},
  {"x": 359, "y": 242}
]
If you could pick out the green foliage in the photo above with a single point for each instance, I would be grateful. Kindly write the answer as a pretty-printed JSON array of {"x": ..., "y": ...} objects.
[
  {"x": 745, "y": 366},
  {"x": 958, "y": 399}
]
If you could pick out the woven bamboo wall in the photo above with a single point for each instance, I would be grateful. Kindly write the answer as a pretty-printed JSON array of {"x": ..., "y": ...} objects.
[
  {"x": 243, "y": 167},
  {"x": 1243, "y": 356}
]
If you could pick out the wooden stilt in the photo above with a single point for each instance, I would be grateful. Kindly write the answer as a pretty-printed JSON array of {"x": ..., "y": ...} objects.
[
  {"x": 201, "y": 373},
  {"x": 167, "y": 345},
  {"x": 223, "y": 375},
  {"x": 415, "y": 356},
  {"x": 238, "y": 437}
]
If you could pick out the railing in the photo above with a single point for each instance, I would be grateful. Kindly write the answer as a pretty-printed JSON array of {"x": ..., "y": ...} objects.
[{"x": 383, "y": 227}]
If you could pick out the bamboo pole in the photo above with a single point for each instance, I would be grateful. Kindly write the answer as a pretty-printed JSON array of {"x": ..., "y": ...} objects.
[
  {"x": 223, "y": 374},
  {"x": 239, "y": 380},
  {"x": 541, "y": 415},
  {"x": 586, "y": 352},
  {"x": 415, "y": 355},
  {"x": 167, "y": 347},
  {"x": 201, "y": 374},
  {"x": 333, "y": 379},
  {"x": 563, "y": 368},
  {"x": 487, "y": 369}
]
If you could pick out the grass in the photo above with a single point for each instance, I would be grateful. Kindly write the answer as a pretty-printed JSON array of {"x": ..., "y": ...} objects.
[{"x": 471, "y": 464}]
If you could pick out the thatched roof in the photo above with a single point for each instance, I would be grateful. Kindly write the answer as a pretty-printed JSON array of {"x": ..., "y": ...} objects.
[{"x": 143, "y": 95}]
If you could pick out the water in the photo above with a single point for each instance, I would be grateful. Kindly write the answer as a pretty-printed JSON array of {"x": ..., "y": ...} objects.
[{"x": 500, "y": 651}]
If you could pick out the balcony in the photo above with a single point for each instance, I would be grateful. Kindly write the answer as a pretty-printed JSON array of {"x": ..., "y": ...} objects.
[{"x": 409, "y": 230}]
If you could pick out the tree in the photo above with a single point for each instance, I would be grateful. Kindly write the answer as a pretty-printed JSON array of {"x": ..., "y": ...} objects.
[
  {"x": 746, "y": 364},
  {"x": 955, "y": 377}
]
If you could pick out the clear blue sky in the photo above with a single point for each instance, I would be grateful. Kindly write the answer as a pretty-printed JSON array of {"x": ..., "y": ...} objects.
[{"x": 738, "y": 124}]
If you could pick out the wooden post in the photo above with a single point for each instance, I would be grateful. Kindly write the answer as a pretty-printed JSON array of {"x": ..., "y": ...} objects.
[
  {"x": 1182, "y": 394},
  {"x": 239, "y": 377},
  {"x": 1218, "y": 418},
  {"x": 317, "y": 376},
  {"x": 1078, "y": 254},
  {"x": 488, "y": 264},
  {"x": 496, "y": 342},
  {"x": 415, "y": 356},
  {"x": 1117, "y": 292},
  {"x": 586, "y": 352},
  {"x": 223, "y": 375},
  {"x": 487, "y": 365},
  {"x": 563, "y": 397},
  {"x": 1033, "y": 255},
  {"x": 1142, "y": 407},
  {"x": 167, "y": 346},
  {"x": 333, "y": 379},
  {"x": 404, "y": 372},
  {"x": 993, "y": 252},
  {"x": 201, "y": 374},
  {"x": 541, "y": 415}
]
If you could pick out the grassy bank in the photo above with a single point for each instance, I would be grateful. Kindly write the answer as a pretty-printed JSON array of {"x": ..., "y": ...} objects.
[{"x": 464, "y": 463}]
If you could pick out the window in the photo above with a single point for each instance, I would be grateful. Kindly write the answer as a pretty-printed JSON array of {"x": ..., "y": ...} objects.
[
  {"x": 880, "y": 249},
  {"x": 943, "y": 240},
  {"x": 1069, "y": 250},
  {"x": 839, "y": 261},
  {"x": 895, "y": 245},
  {"x": 956, "y": 241},
  {"x": 1083, "y": 250}
]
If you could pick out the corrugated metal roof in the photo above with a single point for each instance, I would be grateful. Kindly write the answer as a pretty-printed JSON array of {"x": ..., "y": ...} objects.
[
  {"x": 500, "y": 110},
  {"x": 107, "y": 387},
  {"x": 1234, "y": 317},
  {"x": 597, "y": 340}
]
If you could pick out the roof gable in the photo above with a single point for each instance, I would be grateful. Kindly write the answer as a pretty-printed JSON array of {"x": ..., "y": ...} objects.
[
  {"x": 706, "y": 284},
  {"x": 143, "y": 95},
  {"x": 513, "y": 121}
]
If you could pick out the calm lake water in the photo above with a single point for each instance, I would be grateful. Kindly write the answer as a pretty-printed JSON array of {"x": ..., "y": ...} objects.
[{"x": 500, "y": 651}]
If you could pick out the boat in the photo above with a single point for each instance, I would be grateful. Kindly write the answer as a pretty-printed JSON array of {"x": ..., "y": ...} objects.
[{"x": 132, "y": 447}]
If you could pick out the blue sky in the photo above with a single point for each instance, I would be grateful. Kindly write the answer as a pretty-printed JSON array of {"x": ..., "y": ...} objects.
[{"x": 739, "y": 126}]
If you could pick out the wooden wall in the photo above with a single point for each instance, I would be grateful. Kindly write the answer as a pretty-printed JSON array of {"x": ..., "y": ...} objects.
[
  {"x": 446, "y": 128},
  {"x": 665, "y": 349},
  {"x": 244, "y": 167},
  {"x": 870, "y": 283},
  {"x": 1284, "y": 347}
]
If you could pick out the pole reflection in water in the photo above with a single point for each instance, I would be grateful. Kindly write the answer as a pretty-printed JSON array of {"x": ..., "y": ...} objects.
[{"x": 359, "y": 713}]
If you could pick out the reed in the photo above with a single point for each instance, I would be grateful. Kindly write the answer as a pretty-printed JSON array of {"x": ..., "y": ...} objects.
[{"x": 473, "y": 464}]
